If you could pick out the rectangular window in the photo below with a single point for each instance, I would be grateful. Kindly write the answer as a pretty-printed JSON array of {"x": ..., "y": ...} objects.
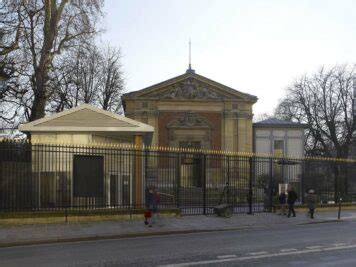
[
  {"x": 278, "y": 149},
  {"x": 88, "y": 176},
  {"x": 144, "y": 117}
]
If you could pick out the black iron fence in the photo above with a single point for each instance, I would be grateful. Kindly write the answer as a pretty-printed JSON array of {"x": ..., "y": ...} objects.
[{"x": 37, "y": 177}]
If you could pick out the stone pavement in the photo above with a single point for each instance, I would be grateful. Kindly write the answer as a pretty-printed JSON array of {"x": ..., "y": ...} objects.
[{"x": 12, "y": 235}]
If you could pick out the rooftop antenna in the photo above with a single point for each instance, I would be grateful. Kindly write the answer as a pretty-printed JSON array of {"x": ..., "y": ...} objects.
[
  {"x": 190, "y": 70},
  {"x": 190, "y": 54}
]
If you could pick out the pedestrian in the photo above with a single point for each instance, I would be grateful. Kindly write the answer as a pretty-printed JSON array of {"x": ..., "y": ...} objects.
[
  {"x": 149, "y": 206},
  {"x": 148, "y": 216},
  {"x": 156, "y": 200},
  {"x": 152, "y": 206},
  {"x": 291, "y": 198},
  {"x": 266, "y": 199},
  {"x": 311, "y": 200},
  {"x": 282, "y": 202}
]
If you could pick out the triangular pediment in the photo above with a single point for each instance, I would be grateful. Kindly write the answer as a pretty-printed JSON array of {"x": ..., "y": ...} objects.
[
  {"x": 190, "y": 86},
  {"x": 190, "y": 89},
  {"x": 86, "y": 118}
]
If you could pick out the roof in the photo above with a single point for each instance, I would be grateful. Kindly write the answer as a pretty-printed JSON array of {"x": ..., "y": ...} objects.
[
  {"x": 274, "y": 122},
  {"x": 86, "y": 118},
  {"x": 188, "y": 74}
]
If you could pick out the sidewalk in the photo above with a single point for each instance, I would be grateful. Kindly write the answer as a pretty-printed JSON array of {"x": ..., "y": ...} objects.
[{"x": 49, "y": 233}]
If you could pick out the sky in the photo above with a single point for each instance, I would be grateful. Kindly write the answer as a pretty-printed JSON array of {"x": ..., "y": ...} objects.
[{"x": 256, "y": 47}]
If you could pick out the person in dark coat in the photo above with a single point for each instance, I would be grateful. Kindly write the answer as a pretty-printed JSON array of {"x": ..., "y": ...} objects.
[
  {"x": 292, "y": 197},
  {"x": 311, "y": 200},
  {"x": 149, "y": 206},
  {"x": 152, "y": 203},
  {"x": 282, "y": 201},
  {"x": 266, "y": 199}
]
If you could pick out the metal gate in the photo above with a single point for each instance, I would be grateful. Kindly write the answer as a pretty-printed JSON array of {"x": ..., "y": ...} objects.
[{"x": 44, "y": 176}]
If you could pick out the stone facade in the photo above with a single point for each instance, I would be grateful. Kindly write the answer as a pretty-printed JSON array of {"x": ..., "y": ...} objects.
[
  {"x": 178, "y": 127},
  {"x": 193, "y": 111},
  {"x": 79, "y": 138},
  {"x": 280, "y": 138},
  {"x": 291, "y": 138}
]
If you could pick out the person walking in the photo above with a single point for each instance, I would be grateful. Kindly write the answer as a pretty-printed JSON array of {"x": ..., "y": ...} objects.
[
  {"x": 155, "y": 205},
  {"x": 149, "y": 206},
  {"x": 267, "y": 199},
  {"x": 152, "y": 203},
  {"x": 291, "y": 198},
  {"x": 282, "y": 201},
  {"x": 311, "y": 200}
]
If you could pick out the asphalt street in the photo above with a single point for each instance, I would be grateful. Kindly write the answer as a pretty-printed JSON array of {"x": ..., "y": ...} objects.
[{"x": 324, "y": 244}]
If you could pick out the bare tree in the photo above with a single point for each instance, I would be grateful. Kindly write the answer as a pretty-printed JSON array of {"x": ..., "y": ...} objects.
[
  {"x": 88, "y": 74},
  {"x": 10, "y": 25},
  {"x": 44, "y": 30},
  {"x": 111, "y": 82},
  {"x": 262, "y": 116},
  {"x": 323, "y": 100},
  {"x": 9, "y": 37}
]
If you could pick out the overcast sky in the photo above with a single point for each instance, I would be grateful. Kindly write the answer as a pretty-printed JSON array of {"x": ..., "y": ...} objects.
[{"x": 257, "y": 47}]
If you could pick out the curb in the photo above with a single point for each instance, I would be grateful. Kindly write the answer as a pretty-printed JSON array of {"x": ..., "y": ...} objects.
[
  {"x": 122, "y": 236},
  {"x": 323, "y": 221},
  {"x": 148, "y": 234}
]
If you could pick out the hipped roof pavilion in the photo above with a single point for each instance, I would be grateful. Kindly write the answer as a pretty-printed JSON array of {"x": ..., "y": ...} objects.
[{"x": 88, "y": 119}]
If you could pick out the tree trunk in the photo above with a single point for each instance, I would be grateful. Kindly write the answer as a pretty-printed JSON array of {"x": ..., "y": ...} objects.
[
  {"x": 39, "y": 103},
  {"x": 41, "y": 72},
  {"x": 40, "y": 95}
]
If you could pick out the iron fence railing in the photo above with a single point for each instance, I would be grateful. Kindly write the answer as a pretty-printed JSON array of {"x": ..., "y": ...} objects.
[{"x": 39, "y": 177}]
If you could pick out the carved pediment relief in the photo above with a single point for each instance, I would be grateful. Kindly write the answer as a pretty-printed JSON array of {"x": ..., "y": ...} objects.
[
  {"x": 190, "y": 120},
  {"x": 189, "y": 89}
]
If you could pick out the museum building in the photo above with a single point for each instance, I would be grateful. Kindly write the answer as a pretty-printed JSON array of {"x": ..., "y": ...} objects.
[{"x": 192, "y": 111}]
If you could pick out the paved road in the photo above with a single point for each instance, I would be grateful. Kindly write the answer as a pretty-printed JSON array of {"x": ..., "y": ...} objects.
[{"x": 326, "y": 244}]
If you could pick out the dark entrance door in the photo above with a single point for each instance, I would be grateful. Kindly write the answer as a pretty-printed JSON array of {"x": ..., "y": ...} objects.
[
  {"x": 88, "y": 176},
  {"x": 191, "y": 175}
]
